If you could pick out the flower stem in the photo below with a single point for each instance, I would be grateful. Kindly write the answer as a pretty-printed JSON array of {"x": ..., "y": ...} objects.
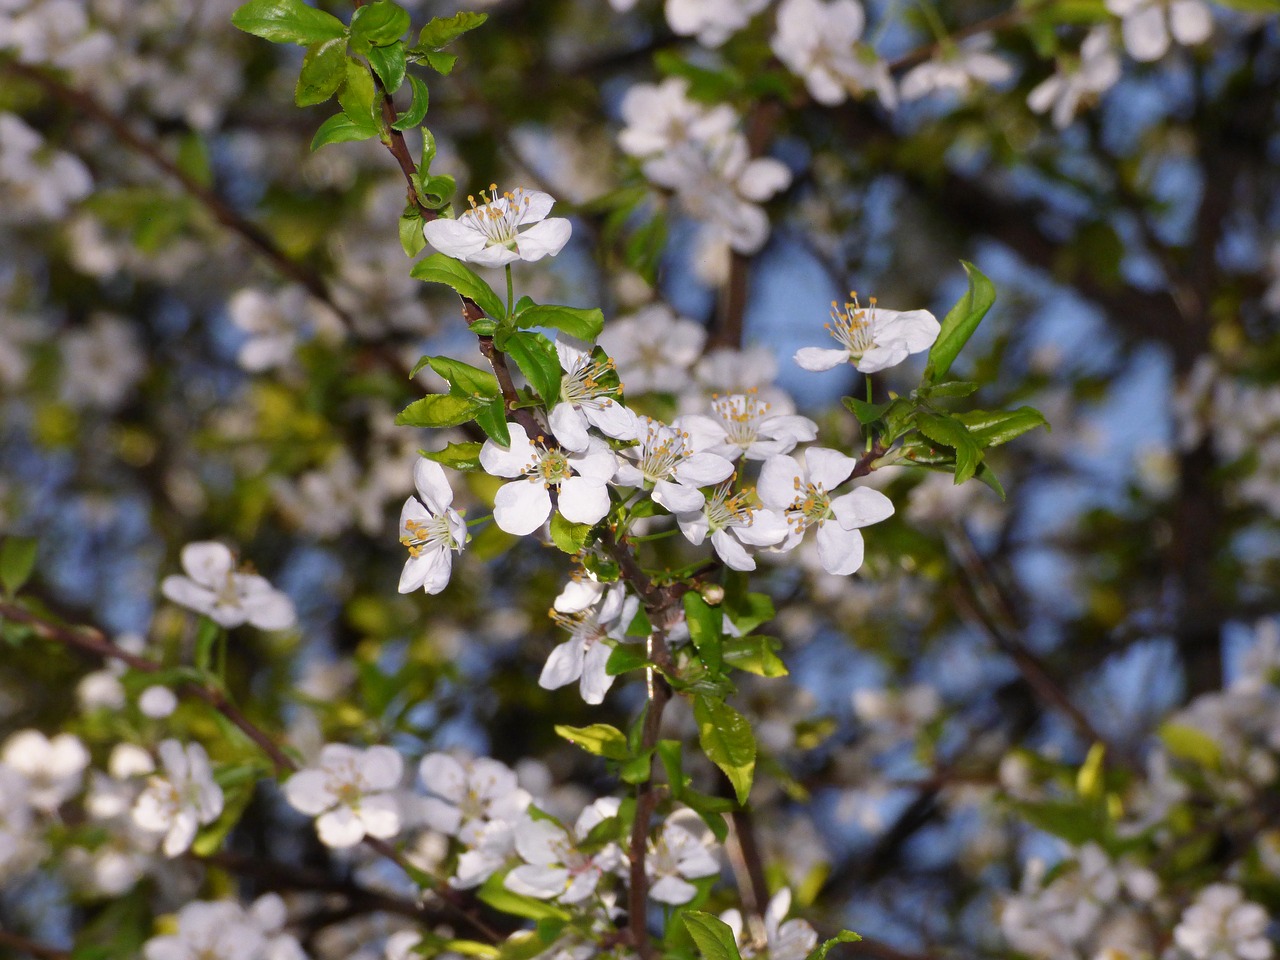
[{"x": 511, "y": 296}]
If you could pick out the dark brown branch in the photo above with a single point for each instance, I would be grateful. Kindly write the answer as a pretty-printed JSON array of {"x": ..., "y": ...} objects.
[{"x": 31, "y": 948}]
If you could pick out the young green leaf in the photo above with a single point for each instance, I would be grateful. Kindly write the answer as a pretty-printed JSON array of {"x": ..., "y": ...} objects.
[
  {"x": 439, "y": 410},
  {"x": 755, "y": 654},
  {"x": 727, "y": 740},
  {"x": 442, "y": 31},
  {"x": 990, "y": 428},
  {"x": 715, "y": 938},
  {"x": 389, "y": 64},
  {"x": 960, "y": 323},
  {"x": 704, "y": 623},
  {"x": 438, "y": 268},
  {"x": 340, "y": 129},
  {"x": 441, "y": 63},
  {"x": 287, "y": 21},
  {"x": 537, "y": 359},
  {"x": 952, "y": 433},
  {"x": 493, "y": 421},
  {"x": 583, "y": 324},
  {"x": 625, "y": 658},
  {"x": 568, "y": 536},
  {"x": 17, "y": 560},
  {"x": 844, "y": 936},
  {"x": 495, "y": 894},
  {"x": 410, "y": 229},
  {"x": 357, "y": 97},
  {"x": 599, "y": 739},
  {"x": 459, "y": 456},
  {"x": 380, "y": 24},
  {"x": 417, "y": 109},
  {"x": 324, "y": 68},
  {"x": 464, "y": 379},
  {"x": 865, "y": 412}
]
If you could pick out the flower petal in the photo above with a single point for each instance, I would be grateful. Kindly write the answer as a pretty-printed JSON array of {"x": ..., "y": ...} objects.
[
  {"x": 817, "y": 359},
  {"x": 522, "y": 506},
  {"x": 839, "y": 550}
]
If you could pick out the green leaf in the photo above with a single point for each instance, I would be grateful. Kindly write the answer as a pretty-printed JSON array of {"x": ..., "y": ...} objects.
[
  {"x": 1091, "y": 779},
  {"x": 439, "y": 410},
  {"x": 749, "y": 611},
  {"x": 727, "y": 741},
  {"x": 493, "y": 421},
  {"x": 952, "y": 388},
  {"x": 952, "y": 433},
  {"x": 537, "y": 359},
  {"x": 583, "y": 324},
  {"x": 357, "y": 97},
  {"x": 464, "y": 379},
  {"x": 1072, "y": 822},
  {"x": 435, "y": 192},
  {"x": 441, "y": 63},
  {"x": 17, "y": 560},
  {"x": 714, "y": 937},
  {"x": 567, "y": 535},
  {"x": 990, "y": 428},
  {"x": 496, "y": 895},
  {"x": 1188, "y": 743},
  {"x": 599, "y": 739},
  {"x": 705, "y": 624},
  {"x": 459, "y": 456},
  {"x": 207, "y": 635},
  {"x": 287, "y": 21},
  {"x": 340, "y": 129},
  {"x": 625, "y": 658},
  {"x": 380, "y": 24},
  {"x": 417, "y": 109},
  {"x": 755, "y": 654},
  {"x": 193, "y": 159},
  {"x": 844, "y": 936},
  {"x": 389, "y": 64},
  {"x": 960, "y": 323},
  {"x": 235, "y": 800},
  {"x": 411, "y": 239},
  {"x": 441, "y": 31},
  {"x": 324, "y": 69},
  {"x": 438, "y": 268},
  {"x": 865, "y": 412}
]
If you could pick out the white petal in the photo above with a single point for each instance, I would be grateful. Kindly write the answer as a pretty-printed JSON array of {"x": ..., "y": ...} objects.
[
  {"x": 522, "y": 506},
  {"x": 569, "y": 426},
  {"x": 596, "y": 681},
  {"x": 678, "y": 498},
  {"x": 433, "y": 485},
  {"x": 509, "y": 461},
  {"x": 340, "y": 828},
  {"x": 380, "y": 815},
  {"x": 583, "y": 500},
  {"x": 861, "y": 507},
  {"x": 777, "y": 485},
  {"x": 563, "y": 666},
  {"x": 307, "y": 793},
  {"x": 537, "y": 842},
  {"x": 767, "y": 527},
  {"x": 454, "y": 238},
  {"x": 839, "y": 550},
  {"x": 207, "y": 562},
  {"x": 444, "y": 776},
  {"x": 704, "y": 469},
  {"x": 817, "y": 359},
  {"x": 544, "y": 239},
  {"x": 882, "y": 356},
  {"x": 672, "y": 890},
  {"x": 732, "y": 552},
  {"x": 535, "y": 204},
  {"x": 1145, "y": 34},
  {"x": 828, "y": 468},
  {"x": 537, "y": 881},
  {"x": 1190, "y": 21},
  {"x": 381, "y": 768}
]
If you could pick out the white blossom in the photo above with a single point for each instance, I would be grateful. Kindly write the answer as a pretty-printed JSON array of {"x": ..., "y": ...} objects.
[
  {"x": 653, "y": 349},
  {"x": 803, "y": 494},
  {"x": 711, "y": 21},
  {"x": 587, "y": 399},
  {"x": 553, "y": 867},
  {"x": 214, "y": 588},
  {"x": 872, "y": 339},
  {"x": 666, "y": 462},
  {"x": 179, "y": 802},
  {"x": 789, "y": 940},
  {"x": 502, "y": 230},
  {"x": 661, "y": 118},
  {"x": 102, "y": 363},
  {"x": 957, "y": 69},
  {"x": 1096, "y": 70},
  {"x": 819, "y": 42},
  {"x": 524, "y": 504},
  {"x": 469, "y": 795},
  {"x": 595, "y": 615},
  {"x": 678, "y": 854},
  {"x": 735, "y": 521},
  {"x": 350, "y": 793},
  {"x": 53, "y": 767},
  {"x": 742, "y": 425},
  {"x": 19, "y": 848},
  {"x": 157, "y": 702},
  {"x": 1222, "y": 925},
  {"x": 431, "y": 530},
  {"x": 1148, "y": 24}
]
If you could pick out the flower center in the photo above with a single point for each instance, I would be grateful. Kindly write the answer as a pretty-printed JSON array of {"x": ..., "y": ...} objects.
[
  {"x": 581, "y": 386},
  {"x": 499, "y": 216},
  {"x": 661, "y": 451},
  {"x": 724, "y": 510},
  {"x": 419, "y": 535},
  {"x": 552, "y": 467},
  {"x": 740, "y": 415},
  {"x": 583, "y": 625},
  {"x": 854, "y": 327},
  {"x": 811, "y": 506}
]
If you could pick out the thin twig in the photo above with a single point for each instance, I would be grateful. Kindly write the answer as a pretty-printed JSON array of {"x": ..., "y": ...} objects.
[{"x": 38, "y": 950}]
